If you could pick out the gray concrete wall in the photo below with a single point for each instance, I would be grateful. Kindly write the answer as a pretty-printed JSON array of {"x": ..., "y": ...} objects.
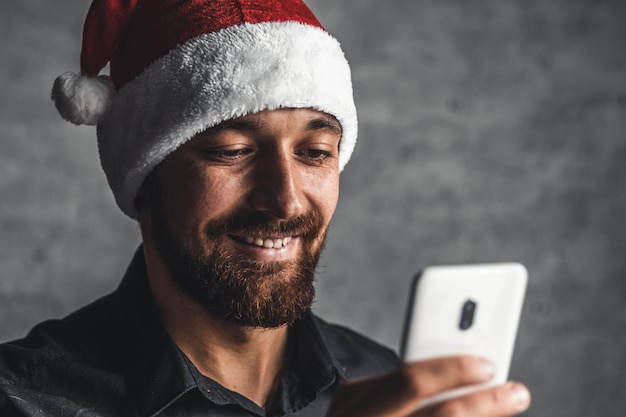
[{"x": 490, "y": 131}]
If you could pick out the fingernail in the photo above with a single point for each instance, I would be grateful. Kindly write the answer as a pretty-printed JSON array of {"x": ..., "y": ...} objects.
[
  {"x": 520, "y": 396},
  {"x": 488, "y": 369}
]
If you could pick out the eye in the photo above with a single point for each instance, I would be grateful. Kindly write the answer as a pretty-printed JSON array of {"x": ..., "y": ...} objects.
[
  {"x": 227, "y": 155},
  {"x": 317, "y": 156}
]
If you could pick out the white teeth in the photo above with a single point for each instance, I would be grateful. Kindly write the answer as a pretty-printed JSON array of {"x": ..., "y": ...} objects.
[{"x": 268, "y": 243}]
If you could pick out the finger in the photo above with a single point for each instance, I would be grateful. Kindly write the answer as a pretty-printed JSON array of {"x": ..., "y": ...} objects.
[
  {"x": 436, "y": 375},
  {"x": 501, "y": 401},
  {"x": 383, "y": 395},
  {"x": 400, "y": 392}
]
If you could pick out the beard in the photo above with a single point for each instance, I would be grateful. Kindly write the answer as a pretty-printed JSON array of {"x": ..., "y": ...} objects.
[{"x": 230, "y": 285}]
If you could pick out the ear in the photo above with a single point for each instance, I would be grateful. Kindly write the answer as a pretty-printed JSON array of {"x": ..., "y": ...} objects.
[
  {"x": 144, "y": 217},
  {"x": 142, "y": 207},
  {"x": 141, "y": 202},
  {"x": 147, "y": 189}
]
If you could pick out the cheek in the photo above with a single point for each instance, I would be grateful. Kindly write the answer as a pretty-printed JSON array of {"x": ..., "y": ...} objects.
[
  {"x": 211, "y": 195},
  {"x": 326, "y": 195},
  {"x": 332, "y": 197},
  {"x": 197, "y": 196}
]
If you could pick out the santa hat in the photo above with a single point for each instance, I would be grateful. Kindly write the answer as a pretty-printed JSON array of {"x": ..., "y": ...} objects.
[{"x": 179, "y": 67}]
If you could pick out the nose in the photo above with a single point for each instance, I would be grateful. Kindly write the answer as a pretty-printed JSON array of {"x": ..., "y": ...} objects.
[{"x": 278, "y": 189}]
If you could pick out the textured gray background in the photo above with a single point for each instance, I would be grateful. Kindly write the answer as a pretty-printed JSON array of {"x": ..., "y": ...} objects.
[{"x": 490, "y": 131}]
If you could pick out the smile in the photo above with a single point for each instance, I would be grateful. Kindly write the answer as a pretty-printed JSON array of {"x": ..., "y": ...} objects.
[{"x": 268, "y": 243}]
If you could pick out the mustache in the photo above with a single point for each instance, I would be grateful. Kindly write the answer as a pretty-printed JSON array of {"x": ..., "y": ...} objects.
[{"x": 254, "y": 223}]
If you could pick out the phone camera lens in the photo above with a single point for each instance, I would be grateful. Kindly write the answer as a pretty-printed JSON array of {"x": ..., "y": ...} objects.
[{"x": 467, "y": 315}]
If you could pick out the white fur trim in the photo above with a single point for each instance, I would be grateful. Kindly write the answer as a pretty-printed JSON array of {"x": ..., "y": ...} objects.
[
  {"x": 82, "y": 99},
  {"x": 216, "y": 77}
]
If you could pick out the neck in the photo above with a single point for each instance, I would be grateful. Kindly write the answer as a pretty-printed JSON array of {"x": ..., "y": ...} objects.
[{"x": 246, "y": 360}]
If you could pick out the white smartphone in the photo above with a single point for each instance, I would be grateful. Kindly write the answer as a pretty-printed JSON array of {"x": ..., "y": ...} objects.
[{"x": 465, "y": 309}]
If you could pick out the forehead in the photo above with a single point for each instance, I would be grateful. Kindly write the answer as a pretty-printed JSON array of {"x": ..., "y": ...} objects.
[{"x": 280, "y": 121}]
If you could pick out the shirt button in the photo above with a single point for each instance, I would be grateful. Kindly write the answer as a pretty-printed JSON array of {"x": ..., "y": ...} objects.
[{"x": 217, "y": 397}]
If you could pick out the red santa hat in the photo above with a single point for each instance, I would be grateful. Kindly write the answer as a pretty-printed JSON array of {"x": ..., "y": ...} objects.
[{"x": 178, "y": 67}]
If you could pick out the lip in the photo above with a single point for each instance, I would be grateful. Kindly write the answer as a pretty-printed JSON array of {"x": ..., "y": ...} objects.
[{"x": 288, "y": 252}]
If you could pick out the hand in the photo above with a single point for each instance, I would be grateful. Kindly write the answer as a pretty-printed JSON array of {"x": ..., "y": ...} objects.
[{"x": 399, "y": 394}]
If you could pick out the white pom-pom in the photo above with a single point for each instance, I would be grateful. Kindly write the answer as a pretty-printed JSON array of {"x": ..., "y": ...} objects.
[{"x": 82, "y": 99}]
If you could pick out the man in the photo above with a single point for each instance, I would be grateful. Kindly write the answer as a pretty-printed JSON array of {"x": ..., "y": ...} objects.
[{"x": 223, "y": 132}]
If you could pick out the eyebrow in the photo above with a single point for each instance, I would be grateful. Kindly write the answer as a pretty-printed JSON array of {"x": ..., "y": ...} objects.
[
  {"x": 321, "y": 123},
  {"x": 243, "y": 125},
  {"x": 247, "y": 125}
]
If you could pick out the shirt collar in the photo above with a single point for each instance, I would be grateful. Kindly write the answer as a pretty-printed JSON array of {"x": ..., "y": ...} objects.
[
  {"x": 312, "y": 368},
  {"x": 155, "y": 373},
  {"x": 158, "y": 373}
]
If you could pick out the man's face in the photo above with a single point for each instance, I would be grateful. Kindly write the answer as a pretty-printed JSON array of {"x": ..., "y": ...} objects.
[{"x": 239, "y": 213}]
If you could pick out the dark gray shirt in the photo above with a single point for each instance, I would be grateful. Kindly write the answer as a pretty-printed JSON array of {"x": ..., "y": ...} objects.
[{"x": 114, "y": 358}]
